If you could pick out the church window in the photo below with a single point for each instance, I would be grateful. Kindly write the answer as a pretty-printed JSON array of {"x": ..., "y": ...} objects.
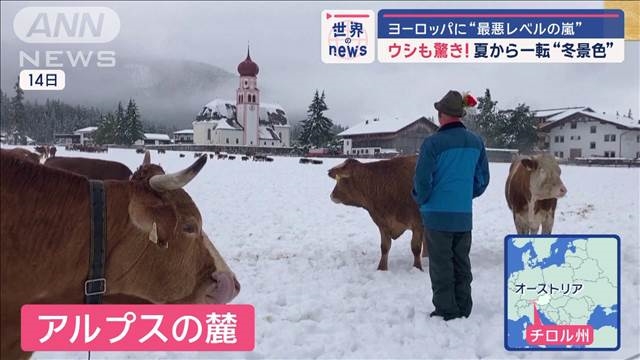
[
  {"x": 227, "y": 140},
  {"x": 237, "y": 141},
  {"x": 208, "y": 134}
]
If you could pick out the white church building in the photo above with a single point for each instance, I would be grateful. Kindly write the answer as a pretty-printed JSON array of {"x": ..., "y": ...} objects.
[{"x": 244, "y": 122}]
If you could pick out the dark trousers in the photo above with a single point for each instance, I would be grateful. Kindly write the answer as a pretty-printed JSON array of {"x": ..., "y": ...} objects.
[{"x": 450, "y": 271}]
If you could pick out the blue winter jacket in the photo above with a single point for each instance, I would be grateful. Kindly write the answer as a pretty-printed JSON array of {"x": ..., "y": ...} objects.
[{"x": 452, "y": 169}]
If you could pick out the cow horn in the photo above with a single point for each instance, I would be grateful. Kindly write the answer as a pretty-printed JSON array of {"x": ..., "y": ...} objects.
[
  {"x": 177, "y": 180},
  {"x": 153, "y": 235},
  {"x": 147, "y": 158}
]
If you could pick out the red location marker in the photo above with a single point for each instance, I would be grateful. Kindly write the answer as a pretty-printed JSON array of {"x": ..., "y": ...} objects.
[{"x": 557, "y": 335}]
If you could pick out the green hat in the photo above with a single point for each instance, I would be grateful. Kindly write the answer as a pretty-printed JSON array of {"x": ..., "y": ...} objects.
[{"x": 451, "y": 104}]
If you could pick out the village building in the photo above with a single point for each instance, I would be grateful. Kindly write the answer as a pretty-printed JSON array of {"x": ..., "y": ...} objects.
[
  {"x": 245, "y": 121},
  {"x": 386, "y": 136},
  {"x": 183, "y": 136},
  {"x": 582, "y": 133},
  {"x": 154, "y": 139},
  {"x": 83, "y": 136}
]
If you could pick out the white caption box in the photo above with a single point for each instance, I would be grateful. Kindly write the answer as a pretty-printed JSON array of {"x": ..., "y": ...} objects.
[{"x": 42, "y": 79}]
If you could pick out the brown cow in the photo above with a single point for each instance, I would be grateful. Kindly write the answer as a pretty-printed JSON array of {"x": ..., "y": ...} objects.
[
  {"x": 532, "y": 190},
  {"x": 92, "y": 168},
  {"x": 97, "y": 169},
  {"x": 24, "y": 154},
  {"x": 156, "y": 249},
  {"x": 383, "y": 188}
]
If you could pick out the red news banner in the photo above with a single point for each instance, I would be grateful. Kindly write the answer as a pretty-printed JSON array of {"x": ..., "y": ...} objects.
[{"x": 137, "y": 328}]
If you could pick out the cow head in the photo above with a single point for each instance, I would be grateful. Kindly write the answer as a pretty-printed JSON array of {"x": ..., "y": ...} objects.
[
  {"x": 177, "y": 262},
  {"x": 544, "y": 177},
  {"x": 346, "y": 191}
]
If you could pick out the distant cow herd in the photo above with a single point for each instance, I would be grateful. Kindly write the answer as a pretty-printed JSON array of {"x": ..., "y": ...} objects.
[
  {"x": 86, "y": 148},
  {"x": 147, "y": 205},
  {"x": 225, "y": 156}
]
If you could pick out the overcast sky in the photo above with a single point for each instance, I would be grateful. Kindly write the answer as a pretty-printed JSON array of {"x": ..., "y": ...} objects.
[{"x": 285, "y": 42}]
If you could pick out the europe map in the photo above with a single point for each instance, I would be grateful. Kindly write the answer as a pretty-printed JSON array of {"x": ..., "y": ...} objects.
[{"x": 562, "y": 292}]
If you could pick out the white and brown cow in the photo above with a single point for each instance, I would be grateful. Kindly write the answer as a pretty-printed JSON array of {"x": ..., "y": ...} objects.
[{"x": 532, "y": 191}]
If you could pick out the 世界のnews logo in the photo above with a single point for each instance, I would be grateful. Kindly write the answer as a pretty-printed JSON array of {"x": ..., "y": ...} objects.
[{"x": 348, "y": 36}]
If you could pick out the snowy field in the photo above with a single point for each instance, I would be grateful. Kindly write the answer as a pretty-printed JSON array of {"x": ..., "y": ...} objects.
[{"x": 309, "y": 265}]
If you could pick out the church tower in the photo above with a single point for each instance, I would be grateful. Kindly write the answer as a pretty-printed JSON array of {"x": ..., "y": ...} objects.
[{"x": 248, "y": 100}]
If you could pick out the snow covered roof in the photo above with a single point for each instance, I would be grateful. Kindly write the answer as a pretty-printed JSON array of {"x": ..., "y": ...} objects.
[
  {"x": 223, "y": 124},
  {"x": 87, "y": 129},
  {"x": 219, "y": 108},
  {"x": 565, "y": 114},
  {"x": 266, "y": 133},
  {"x": 623, "y": 121},
  {"x": 381, "y": 126},
  {"x": 151, "y": 136},
  {"x": 545, "y": 113},
  {"x": 268, "y": 114},
  {"x": 615, "y": 119},
  {"x": 272, "y": 114},
  {"x": 184, "y": 132}
]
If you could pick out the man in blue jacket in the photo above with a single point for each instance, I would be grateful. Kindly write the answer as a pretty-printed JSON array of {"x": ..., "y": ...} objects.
[{"x": 452, "y": 169}]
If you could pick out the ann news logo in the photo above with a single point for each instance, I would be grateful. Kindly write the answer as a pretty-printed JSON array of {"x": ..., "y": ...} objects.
[
  {"x": 348, "y": 36},
  {"x": 62, "y": 29}
]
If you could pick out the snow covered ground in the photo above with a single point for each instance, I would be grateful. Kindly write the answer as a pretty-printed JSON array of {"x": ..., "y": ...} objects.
[{"x": 309, "y": 265}]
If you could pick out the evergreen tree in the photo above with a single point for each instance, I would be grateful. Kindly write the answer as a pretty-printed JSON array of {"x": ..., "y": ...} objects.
[
  {"x": 485, "y": 122},
  {"x": 133, "y": 127},
  {"x": 4, "y": 111},
  {"x": 17, "y": 119},
  {"x": 316, "y": 128},
  {"x": 120, "y": 129},
  {"x": 629, "y": 114},
  {"x": 518, "y": 130},
  {"x": 105, "y": 134}
]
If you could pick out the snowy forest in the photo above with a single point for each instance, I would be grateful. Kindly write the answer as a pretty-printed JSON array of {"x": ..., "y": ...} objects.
[{"x": 40, "y": 121}]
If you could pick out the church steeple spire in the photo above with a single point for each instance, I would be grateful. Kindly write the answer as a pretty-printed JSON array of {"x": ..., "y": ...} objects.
[{"x": 248, "y": 67}]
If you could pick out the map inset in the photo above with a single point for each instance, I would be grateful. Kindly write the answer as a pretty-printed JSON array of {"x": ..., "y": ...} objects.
[{"x": 562, "y": 292}]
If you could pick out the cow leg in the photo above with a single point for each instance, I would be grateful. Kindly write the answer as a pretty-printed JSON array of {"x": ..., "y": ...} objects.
[
  {"x": 385, "y": 246},
  {"x": 417, "y": 239},
  {"x": 425, "y": 250},
  {"x": 547, "y": 222},
  {"x": 522, "y": 225},
  {"x": 534, "y": 226}
]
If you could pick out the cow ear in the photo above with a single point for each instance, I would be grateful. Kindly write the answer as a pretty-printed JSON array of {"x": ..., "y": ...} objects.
[{"x": 529, "y": 164}]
